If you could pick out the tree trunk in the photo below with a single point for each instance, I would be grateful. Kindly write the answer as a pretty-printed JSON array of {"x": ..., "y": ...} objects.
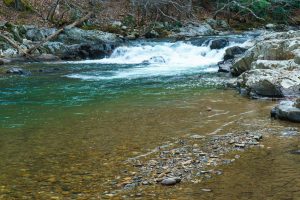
[{"x": 19, "y": 5}]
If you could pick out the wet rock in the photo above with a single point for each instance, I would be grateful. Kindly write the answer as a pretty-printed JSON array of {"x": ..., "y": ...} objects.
[
  {"x": 16, "y": 71},
  {"x": 286, "y": 110},
  {"x": 297, "y": 152},
  {"x": 231, "y": 52},
  {"x": 154, "y": 60},
  {"x": 219, "y": 43},
  {"x": 224, "y": 66}
]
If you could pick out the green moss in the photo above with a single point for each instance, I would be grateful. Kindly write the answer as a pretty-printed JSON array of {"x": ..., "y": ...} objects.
[
  {"x": 9, "y": 2},
  {"x": 24, "y": 4}
]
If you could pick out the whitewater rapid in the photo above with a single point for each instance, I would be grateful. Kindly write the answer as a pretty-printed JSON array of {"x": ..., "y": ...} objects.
[{"x": 155, "y": 59}]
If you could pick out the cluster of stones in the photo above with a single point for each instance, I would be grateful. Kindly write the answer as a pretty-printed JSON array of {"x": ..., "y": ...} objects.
[{"x": 191, "y": 159}]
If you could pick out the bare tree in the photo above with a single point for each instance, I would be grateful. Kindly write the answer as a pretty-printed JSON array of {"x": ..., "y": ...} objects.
[{"x": 172, "y": 10}]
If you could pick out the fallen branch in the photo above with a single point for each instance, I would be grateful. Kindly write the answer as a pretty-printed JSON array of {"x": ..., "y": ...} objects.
[
  {"x": 54, "y": 35},
  {"x": 15, "y": 45}
]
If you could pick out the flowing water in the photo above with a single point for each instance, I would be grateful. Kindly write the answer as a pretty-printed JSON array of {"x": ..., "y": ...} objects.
[{"x": 67, "y": 129}]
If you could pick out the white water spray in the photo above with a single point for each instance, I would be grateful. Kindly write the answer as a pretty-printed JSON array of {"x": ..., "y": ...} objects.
[{"x": 157, "y": 59}]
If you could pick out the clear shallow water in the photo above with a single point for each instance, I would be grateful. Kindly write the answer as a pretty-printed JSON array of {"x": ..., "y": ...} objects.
[{"x": 66, "y": 136}]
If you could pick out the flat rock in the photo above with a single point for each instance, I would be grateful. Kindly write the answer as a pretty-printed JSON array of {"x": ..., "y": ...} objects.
[{"x": 286, "y": 110}]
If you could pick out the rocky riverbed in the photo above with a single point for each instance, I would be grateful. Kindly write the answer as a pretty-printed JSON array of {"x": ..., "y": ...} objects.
[{"x": 190, "y": 159}]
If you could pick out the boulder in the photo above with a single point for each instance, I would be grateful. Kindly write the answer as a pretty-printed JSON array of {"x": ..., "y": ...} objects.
[
  {"x": 218, "y": 24},
  {"x": 80, "y": 36},
  {"x": 195, "y": 29},
  {"x": 271, "y": 83},
  {"x": 231, "y": 52},
  {"x": 152, "y": 34},
  {"x": 286, "y": 110},
  {"x": 297, "y": 56},
  {"x": 242, "y": 64},
  {"x": 219, "y": 43},
  {"x": 39, "y": 34},
  {"x": 270, "y": 26},
  {"x": 274, "y": 46}
]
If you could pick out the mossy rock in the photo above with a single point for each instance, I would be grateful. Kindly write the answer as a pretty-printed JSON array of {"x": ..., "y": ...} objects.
[{"x": 23, "y": 5}]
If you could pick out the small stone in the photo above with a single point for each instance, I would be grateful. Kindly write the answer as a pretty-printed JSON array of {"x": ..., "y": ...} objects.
[
  {"x": 145, "y": 183},
  {"x": 130, "y": 186},
  {"x": 206, "y": 190},
  {"x": 258, "y": 137},
  {"x": 204, "y": 172},
  {"x": 197, "y": 136},
  {"x": 231, "y": 142},
  {"x": 170, "y": 181},
  {"x": 240, "y": 145},
  {"x": 208, "y": 109}
]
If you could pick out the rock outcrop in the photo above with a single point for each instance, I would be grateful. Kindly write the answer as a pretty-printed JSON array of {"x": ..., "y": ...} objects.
[
  {"x": 73, "y": 43},
  {"x": 195, "y": 29},
  {"x": 274, "y": 46},
  {"x": 271, "y": 68}
]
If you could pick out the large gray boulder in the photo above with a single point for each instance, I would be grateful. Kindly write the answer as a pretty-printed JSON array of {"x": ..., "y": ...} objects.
[
  {"x": 219, "y": 43},
  {"x": 80, "y": 36},
  {"x": 271, "y": 83},
  {"x": 271, "y": 67},
  {"x": 286, "y": 110},
  {"x": 274, "y": 46},
  {"x": 231, "y": 52},
  {"x": 39, "y": 34}
]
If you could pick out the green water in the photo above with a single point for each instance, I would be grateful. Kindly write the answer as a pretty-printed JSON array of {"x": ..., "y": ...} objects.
[{"x": 68, "y": 138}]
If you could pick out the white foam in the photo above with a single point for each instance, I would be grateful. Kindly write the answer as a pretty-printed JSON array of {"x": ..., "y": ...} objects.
[{"x": 157, "y": 59}]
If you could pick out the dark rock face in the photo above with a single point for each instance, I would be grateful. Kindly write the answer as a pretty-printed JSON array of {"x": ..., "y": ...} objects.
[
  {"x": 152, "y": 34},
  {"x": 233, "y": 51},
  {"x": 286, "y": 110},
  {"x": 219, "y": 43},
  {"x": 73, "y": 43},
  {"x": 87, "y": 44}
]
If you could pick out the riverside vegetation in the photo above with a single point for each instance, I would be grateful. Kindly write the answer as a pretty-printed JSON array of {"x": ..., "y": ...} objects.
[{"x": 122, "y": 107}]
